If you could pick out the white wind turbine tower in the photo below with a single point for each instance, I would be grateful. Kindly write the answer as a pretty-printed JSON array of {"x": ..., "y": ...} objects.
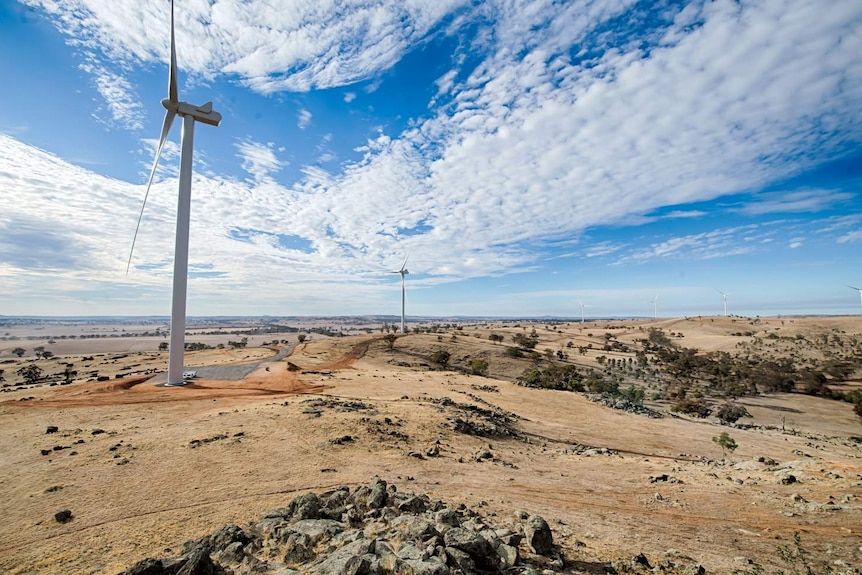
[
  {"x": 582, "y": 305},
  {"x": 859, "y": 290},
  {"x": 654, "y": 302},
  {"x": 403, "y": 271},
  {"x": 724, "y": 297},
  {"x": 190, "y": 114}
]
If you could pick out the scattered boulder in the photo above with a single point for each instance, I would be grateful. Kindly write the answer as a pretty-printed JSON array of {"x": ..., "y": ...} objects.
[
  {"x": 52, "y": 429},
  {"x": 63, "y": 516},
  {"x": 537, "y": 532}
]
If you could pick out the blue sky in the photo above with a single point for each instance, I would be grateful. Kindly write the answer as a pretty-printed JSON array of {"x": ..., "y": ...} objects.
[{"x": 528, "y": 156}]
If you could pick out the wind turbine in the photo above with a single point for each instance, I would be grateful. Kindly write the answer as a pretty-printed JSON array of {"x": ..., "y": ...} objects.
[
  {"x": 654, "y": 302},
  {"x": 190, "y": 114},
  {"x": 403, "y": 271},
  {"x": 859, "y": 290},
  {"x": 583, "y": 305},
  {"x": 724, "y": 296}
]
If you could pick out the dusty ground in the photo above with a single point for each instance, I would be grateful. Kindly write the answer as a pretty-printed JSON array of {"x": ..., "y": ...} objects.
[{"x": 168, "y": 465}]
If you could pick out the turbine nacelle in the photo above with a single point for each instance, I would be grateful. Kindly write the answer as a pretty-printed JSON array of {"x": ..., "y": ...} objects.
[{"x": 203, "y": 113}]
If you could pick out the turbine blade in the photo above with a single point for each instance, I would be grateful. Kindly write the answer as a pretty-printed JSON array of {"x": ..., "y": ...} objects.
[
  {"x": 405, "y": 262},
  {"x": 172, "y": 73},
  {"x": 166, "y": 128},
  {"x": 856, "y": 288}
]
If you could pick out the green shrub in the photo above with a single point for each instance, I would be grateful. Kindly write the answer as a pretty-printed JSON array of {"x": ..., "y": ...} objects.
[
  {"x": 441, "y": 356},
  {"x": 479, "y": 366},
  {"x": 695, "y": 406},
  {"x": 731, "y": 412}
]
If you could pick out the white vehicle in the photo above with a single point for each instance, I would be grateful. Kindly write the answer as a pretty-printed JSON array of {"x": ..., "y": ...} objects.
[{"x": 190, "y": 374}]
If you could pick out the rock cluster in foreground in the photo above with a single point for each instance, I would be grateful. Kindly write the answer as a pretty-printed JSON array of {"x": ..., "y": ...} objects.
[{"x": 371, "y": 530}]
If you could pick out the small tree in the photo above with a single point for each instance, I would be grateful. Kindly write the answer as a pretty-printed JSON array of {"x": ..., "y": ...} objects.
[
  {"x": 441, "y": 356},
  {"x": 69, "y": 374},
  {"x": 39, "y": 349},
  {"x": 390, "y": 338},
  {"x": 301, "y": 338},
  {"x": 479, "y": 366},
  {"x": 163, "y": 346},
  {"x": 47, "y": 354},
  {"x": 725, "y": 442},
  {"x": 731, "y": 412},
  {"x": 31, "y": 374},
  {"x": 19, "y": 351},
  {"x": 524, "y": 342}
]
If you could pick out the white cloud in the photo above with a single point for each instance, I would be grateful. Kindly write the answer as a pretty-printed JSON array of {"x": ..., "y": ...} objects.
[
  {"x": 349, "y": 97},
  {"x": 796, "y": 201},
  {"x": 123, "y": 106},
  {"x": 719, "y": 243},
  {"x": 854, "y": 236},
  {"x": 259, "y": 160},
  {"x": 303, "y": 119},
  {"x": 297, "y": 46}
]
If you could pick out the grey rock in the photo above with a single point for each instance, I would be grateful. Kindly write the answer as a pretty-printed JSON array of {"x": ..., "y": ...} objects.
[
  {"x": 412, "y": 505},
  {"x": 305, "y": 506},
  {"x": 351, "y": 559},
  {"x": 432, "y": 566},
  {"x": 316, "y": 529},
  {"x": 447, "y": 516},
  {"x": 468, "y": 541},
  {"x": 409, "y": 551},
  {"x": 233, "y": 553},
  {"x": 63, "y": 516},
  {"x": 459, "y": 559},
  {"x": 297, "y": 549},
  {"x": 199, "y": 563},
  {"x": 413, "y": 528},
  {"x": 508, "y": 555},
  {"x": 378, "y": 496},
  {"x": 508, "y": 537},
  {"x": 146, "y": 567},
  {"x": 483, "y": 455},
  {"x": 538, "y": 535},
  {"x": 226, "y": 536}
]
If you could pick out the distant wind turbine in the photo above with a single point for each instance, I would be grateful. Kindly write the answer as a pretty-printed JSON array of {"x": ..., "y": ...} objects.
[
  {"x": 724, "y": 296},
  {"x": 859, "y": 290},
  {"x": 654, "y": 302},
  {"x": 403, "y": 271},
  {"x": 583, "y": 305},
  {"x": 190, "y": 115}
]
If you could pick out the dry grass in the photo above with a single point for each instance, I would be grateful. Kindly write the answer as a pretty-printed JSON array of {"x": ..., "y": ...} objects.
[{"x": 154, "y": 490}]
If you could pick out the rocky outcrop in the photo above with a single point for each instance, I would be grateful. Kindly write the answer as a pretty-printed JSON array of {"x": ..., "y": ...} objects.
[
  {"x": 370, "y": 530},
  {"x": 376, "y": 530}
]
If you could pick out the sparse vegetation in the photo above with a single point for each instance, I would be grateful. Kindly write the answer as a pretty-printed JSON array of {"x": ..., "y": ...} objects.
[
  {"x": 441, "y": 357},
  {"x": 390, "y": 338},
  {"x": 479, "y": 366},
  {"x": 725, "y": 442},
  {"x": 692, "y": 406},
  {"x": 731, "y": 412},
  {"x": 31, "y": 374}
]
